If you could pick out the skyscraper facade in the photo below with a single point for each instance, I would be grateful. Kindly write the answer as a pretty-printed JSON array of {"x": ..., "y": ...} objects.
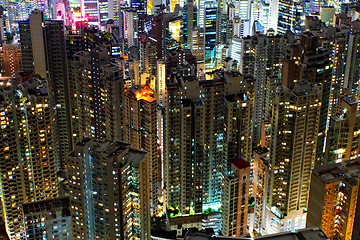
[
  {"x": 236, "y": 199},
  {"x": 259, "y": 189},
  {"x": 49, "y": 219},
  {"x": 99, "y": 93},
  {"x": 190, "y": 20},
  {"x": 28, "y": 156},
  {"x": 333, "y": 202},
  {"x": 190, "y": 104},
  {"x": 210, "y": 24},
  {"x": 140, "y": 123},
  {"x": 99, "y": 12},
  {"x": 10, "y": 60},
  {"x": 198, "y": 46},
  {"x": 343, "y": 135},
  {"x": 310, "y": 62},
  {"x": 238, "y": 132},
  {"x": 42, "y": 50},
  {"x": 290, "y": 16},
  {"x": 295, "y": 122},
  {"x": 262, "y": 56},
  {"x": 109, "y": 190}
]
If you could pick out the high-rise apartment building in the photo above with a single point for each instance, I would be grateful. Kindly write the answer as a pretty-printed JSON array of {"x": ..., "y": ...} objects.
[
  {"x": 236, "y": 199},
  {"x": 229, "y": 29},
  {"x": 160, "y": 91},
  {"x": 290, "y": 16},
  {"x": 139, "y": 6},
  {"x": 241, "y": 27},
  {"x": 262, "y": 56},
  {"x": 198, "y": 46},
  {"x": 336, "y": 38},
  {"x": 20, "y": 10},
  {"x": 235, "y": 49},
  {"x": 134, "y": 71},
  {"x": 342, "y": 41},
  {"x": 180, "y": 63},
  {"x": 334, "y": 200},
  {"x": 190, "y": 20},
  {"x": 109, "y": 186},
  {"x": 98, "y": 12},
  {"x": 352, "y": 71},
  {"x": 43, "y": 52},
  {"x": 238, "y": 123},
  {"x": 49, "y": 219},
  {"x": 195, "y": 159},
  {"x": 343, "y": 134},
  {"x": 183, "y": 176},
  {"x": 75, "y": 43},
  {"x": 10, "y": 60},
  {"x": 88, "y": 38},
  {"x": 273, "y": 83},
  {"x": 245, "y": 190},
  {"x": 210, "y": 26},
  {"x": 161, "y": 82},
  {"x": 58, "y": 82},
  {"x": 28, "y": 155},
  {"x": 213, "y": 94},
  {"x": 312, "y": 63},
  {"x": 238, "y": 127},
  {"x": 140, "y": 123},
  {"x": 339, "y": 49},
  {"x": 258, "y": 191},
  {"x": 32, "y": 44},
  {"x": 242, "y": 8},
  {"x": 96, "y": 105},
  {"x": 147, "y": 56},
  {"x": 316, "y": 67},
  {"x": 130, "y": 26},
  {"x": 295, "y": 127},
  {"x": 158, "y": 32}
]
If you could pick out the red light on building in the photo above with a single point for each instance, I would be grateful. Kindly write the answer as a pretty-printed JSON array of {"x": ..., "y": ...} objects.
[
  {"x": 79, "y": 22},
  {"x": 81, "y": 19}
]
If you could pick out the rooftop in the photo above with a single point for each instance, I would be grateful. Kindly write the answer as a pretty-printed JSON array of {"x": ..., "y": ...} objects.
[
  {"x": 260, "y": 150},
  {"x": 347, "y": 170},
  {"x": 31, "y": 87},
  {"x": 111, "y": 148},
  {"x": 240, "y": 163},
  {"x": 48, "y": 206},
  {"x": 302, "y": 88}
]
